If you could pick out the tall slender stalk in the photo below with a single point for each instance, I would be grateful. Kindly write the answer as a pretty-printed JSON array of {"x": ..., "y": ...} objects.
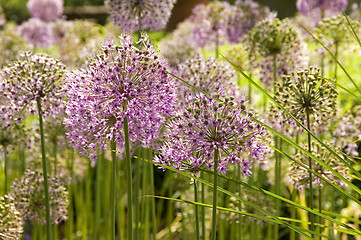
[
  {"x": 114, "y": 187},
  {"x": 129, "y": 180},
  {"x": 320, "y": 209},
  {"x": 45, "y": 172},
  {"x": 55, "y": 150},
  {"x": 196, "y": 209},
  {"x": 217, "y": 45},
  {"x": 240, "y": 223},
  {"x": 336, "y": 55},
  {"x": 97, "y": 196},
  {"x": 215, "y": 185},
  {"x": 70, "y": 222},
  {"x": 312, "y": 216},
  {"x": 5, "y": 170},
  {"x": 136, "y": 198},
  {"x": 154, "y": 217}
]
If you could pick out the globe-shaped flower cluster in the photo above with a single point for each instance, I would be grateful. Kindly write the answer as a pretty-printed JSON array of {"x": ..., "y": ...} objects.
[
  {"x": 29, "y": 198},
  {"x": 300, "y": 176},
  {"x": 125, "y": 80},
  {"x": 213, "y": 123},
  {"x": 47, "y": 10},
  {"x": 305, "y": 94},
  {"x": 34, "y": 77},
  {"x": 135, "y": 15}
]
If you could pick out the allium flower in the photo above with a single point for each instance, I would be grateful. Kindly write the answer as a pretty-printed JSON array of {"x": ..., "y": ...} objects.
[
  {"x": 278, "y": 40},
  {"x": 302, "y": 92},
  {"x": 244, "y": 15},
  {"x": 179, "y": 46},
  {"x": 129, "y": 80},
  {"x": 207, "y": 75},
  {"x": 34, "y": 77},
  {"x": 11, "y": 226},
  {"x": 209, "y": 124},
  {"x": 136, "y": 15},
  {"x": 348, "y": 132},
  {"x": 300, "y": 175},
  {"x": 11, "y": 45},
  {"x": 47, "y": 10},
  {"x": 319, "y": 9},
  {"x": 37, "y": 32},
  {"x": 210, "y": 22},
  {"x": 28, "y": 194}
]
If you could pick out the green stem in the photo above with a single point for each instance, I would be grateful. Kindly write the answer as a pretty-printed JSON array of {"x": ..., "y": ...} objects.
[
  {"x": 114, "y": 186},
  {"x": 5, "y": 170},
  {"x": 240, "y": 223},
  {"x": 45, "y": 172},
  {"x": 70, "y": 222},
  {"x": 136, "y": 198},
  {"x": 154, "y": 217},
  {"x": 215, "y": 185},
  {"x": 278, "y": 143},
  {"x": 55, "y": 149},
  {"x": 312, "y": 216},
  {"x": 336, "y": 53},
  {"x": 320, "y": 208},
  {"x": 293, "y": 213},
  {"x": 203, "y": 214},
  {"x": 129, "y": 180},
  {"x": 196, "y": 209},
  {"x": 217, "y": 45},
  {"x": 250, "y": 90},
  {"x": 97, "y": 196}
]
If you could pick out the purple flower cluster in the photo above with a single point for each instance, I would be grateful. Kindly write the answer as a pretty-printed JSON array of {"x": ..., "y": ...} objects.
[
  {"x": 207, "y": 75},
  {"x": 180, "y": 45},
  {"x": 348, "y": 132},
  {"x": 300, "y": 175},
  {"x": 47, "y": 10},
  {"x": 28, "y": 195},
  {"x": 124, "y": 80},
  {"x": 33, "y": 77},
  {"x": 210, "y": 22},
  {"x": 38, "y": 32},
  {"x": 301, "y": 93},
  {"x": 244, "y": 15},
  {"x": 135, "y": 15},
  {"x": 208, "y": 124},
  {"x": 320, "y": 8},
  {"x": 277, "y": 40}
]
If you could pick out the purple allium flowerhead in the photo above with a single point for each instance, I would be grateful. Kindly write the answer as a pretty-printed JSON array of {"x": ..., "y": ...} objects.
[
  {"x": 47, "y": 10},
  {"x": 302, "y": 92},
  {"x": 210, "y": 22},
  {"x": 38, "y": 32},
  {"x": 125, "y": 80},
  {"x": 209, "y": 75},
  {"x": 319, "y": 9},
  {"x": 244, "y": 15},
  {"x": 32, "y": 77},
  {"x": 300, "y": 175},
  {"x": 207, "y": 124},
  {"x": 135, "y": 15},
  {"x": 348, "y": 132},
  {"x": 277, "y": 39},
  {"x": 11, "y": 225},
  {"x": 29, "y": 198},
  {"x": 179, "y": 46}
]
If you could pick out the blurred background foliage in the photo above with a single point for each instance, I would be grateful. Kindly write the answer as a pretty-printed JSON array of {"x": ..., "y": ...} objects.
[{"x": 16, "y": 9}]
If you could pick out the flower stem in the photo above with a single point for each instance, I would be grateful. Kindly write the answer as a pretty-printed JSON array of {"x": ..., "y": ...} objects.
[
  {"x": 114, "y": 186},
  {"x": 196, "y": 209},
  {"x": 336, "y": 53},
  {"x": 240, "y": 223},
  {"x": 202, "y": 208},
  {"x": 154, "y": 217},
  {"x": 70, "y": 222},
  {"x": 5, "y": 171},
  {"x": 312, "y": 216},
  {"x": 129, "y": 180},
  {"x": 97, "y": 195},
  {"x": 320, "y": 209},
  {"x": 215, "y": 185},
  {"x": 45, "y": 172}
]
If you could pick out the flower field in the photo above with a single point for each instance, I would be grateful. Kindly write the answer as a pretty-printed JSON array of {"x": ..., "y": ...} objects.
[{"x": 235, "y": 125}]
